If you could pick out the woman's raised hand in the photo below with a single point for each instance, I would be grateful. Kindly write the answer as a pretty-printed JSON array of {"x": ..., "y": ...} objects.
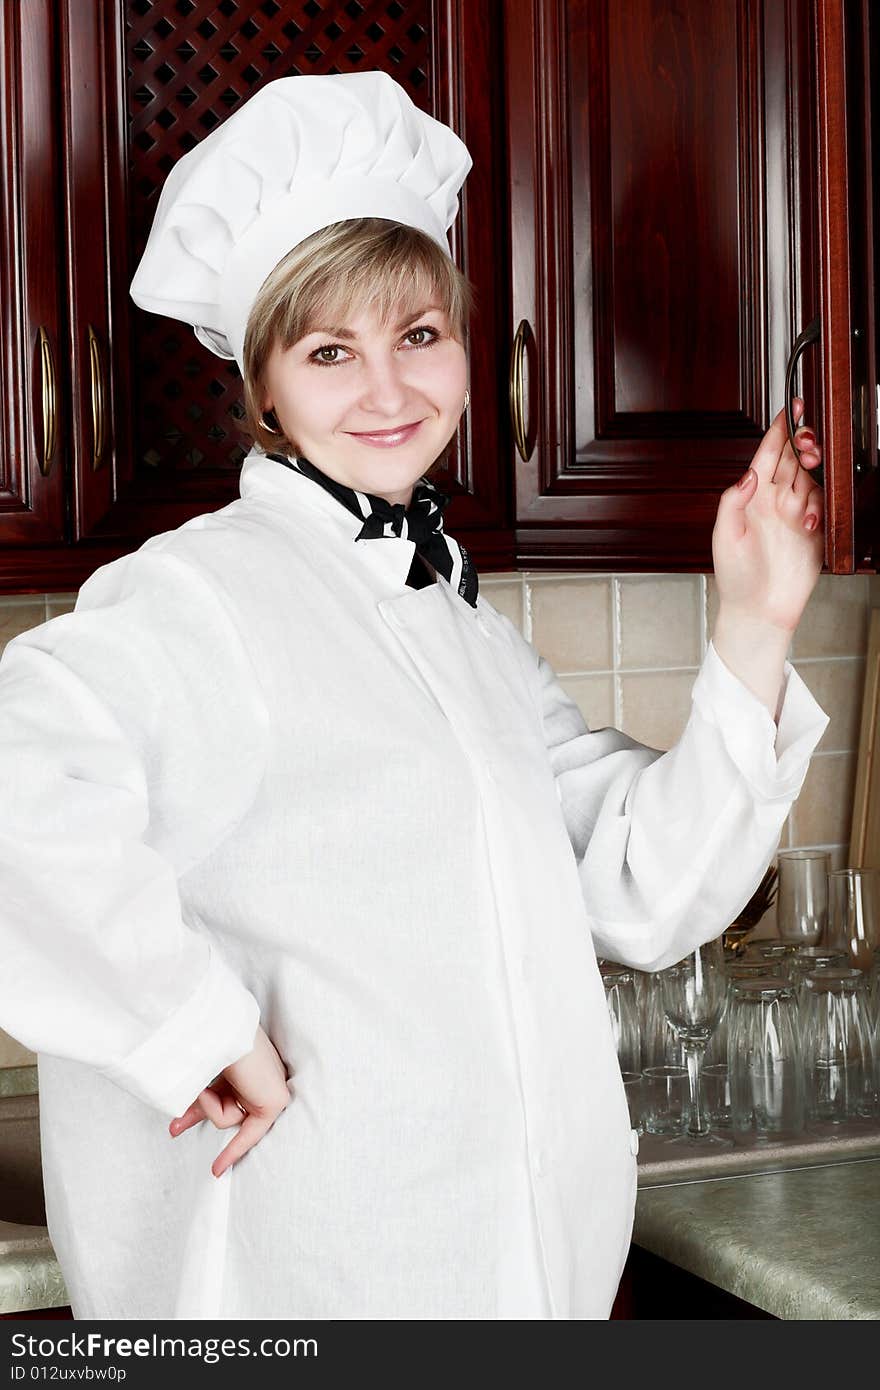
[
  {"x": 766, "y": 552},
  {"x": 251, "y": 1093}
]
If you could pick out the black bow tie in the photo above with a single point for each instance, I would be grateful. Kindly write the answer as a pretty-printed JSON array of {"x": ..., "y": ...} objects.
[{"x": 420, "y": 522}]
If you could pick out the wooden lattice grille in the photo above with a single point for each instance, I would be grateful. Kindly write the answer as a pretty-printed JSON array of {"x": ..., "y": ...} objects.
[{"x": 190, "y": 64}]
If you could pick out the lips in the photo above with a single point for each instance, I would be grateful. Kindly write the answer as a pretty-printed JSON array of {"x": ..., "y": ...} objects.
[{"x": 387, "y": 439}]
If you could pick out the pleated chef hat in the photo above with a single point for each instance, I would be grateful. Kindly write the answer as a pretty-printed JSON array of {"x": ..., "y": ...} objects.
[{"x": 301, "y": 153}]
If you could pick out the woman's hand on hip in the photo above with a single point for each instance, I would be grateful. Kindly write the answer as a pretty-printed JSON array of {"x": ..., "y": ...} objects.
[
  {"x": 251, "y": 1093},
  {"x": 766, "y": 554}
]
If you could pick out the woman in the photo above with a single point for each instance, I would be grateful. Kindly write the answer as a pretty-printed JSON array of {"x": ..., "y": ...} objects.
[{"x": 305, "y": 840}]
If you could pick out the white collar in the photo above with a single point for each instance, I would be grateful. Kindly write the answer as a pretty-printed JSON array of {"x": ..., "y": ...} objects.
[
  {"x": 289, "y": 493},
  {"x": 263, "y": 477}
]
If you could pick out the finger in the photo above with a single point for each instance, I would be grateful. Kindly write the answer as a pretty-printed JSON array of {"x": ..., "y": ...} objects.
[
  {"x": 804, "y": 483},
  {"x": 252, "y": 1130},
  {"x": 814, "y": 507},
  {"x": 767, "y": 453},
  {"x": 804, "y": 437},
  {"x": 221, "y": 1108},
  {"x": 786, "y": 467},
  {"x": 193, "y": 1115}
]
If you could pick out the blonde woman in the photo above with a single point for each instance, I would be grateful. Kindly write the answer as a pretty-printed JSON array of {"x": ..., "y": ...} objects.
[{"x": 306, "y": 855}]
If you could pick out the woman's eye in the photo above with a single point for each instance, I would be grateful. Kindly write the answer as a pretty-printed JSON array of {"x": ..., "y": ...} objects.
[
  {"x": 320, "y": 360},
  {"x": 425, "y": 329}
]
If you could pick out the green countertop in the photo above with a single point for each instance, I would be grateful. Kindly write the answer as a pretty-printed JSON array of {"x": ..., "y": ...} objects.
[
  {"x": 801, "y": 1244},
  {"x": 29, "y": 1274}
]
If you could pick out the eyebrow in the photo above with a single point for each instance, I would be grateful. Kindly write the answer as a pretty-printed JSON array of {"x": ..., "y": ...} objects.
[{"x": 350, "y": 333}]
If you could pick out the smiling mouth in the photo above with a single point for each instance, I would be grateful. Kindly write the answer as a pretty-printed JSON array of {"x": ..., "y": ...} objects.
[{"x": 381, "y": 434}]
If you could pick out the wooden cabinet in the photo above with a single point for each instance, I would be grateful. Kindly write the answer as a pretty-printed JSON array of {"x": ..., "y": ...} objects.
[
  {"x": 149, "y": 421},
  {"x": 664, "y": 194},
  {"x": 684, "y": 195},
  {"x": 34, "y": 439}
]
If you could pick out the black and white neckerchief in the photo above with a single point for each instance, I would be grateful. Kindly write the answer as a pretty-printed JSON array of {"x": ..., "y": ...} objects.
[{"x": 421, "y": 522}]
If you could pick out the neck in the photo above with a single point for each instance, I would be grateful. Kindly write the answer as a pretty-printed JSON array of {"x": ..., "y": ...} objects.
[{"x": 405, "y": 496}]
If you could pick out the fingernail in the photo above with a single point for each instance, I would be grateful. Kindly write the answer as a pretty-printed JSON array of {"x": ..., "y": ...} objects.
[
  {"x": 807, "y": 437},
  {"x": 811, "y": 523},
  {"x": 746, "y": 478}
]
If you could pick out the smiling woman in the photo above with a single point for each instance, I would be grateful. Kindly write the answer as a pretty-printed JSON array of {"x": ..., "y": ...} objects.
[
  {"x": 401, "y": 361},
  {"x": 296, "y": 845}
]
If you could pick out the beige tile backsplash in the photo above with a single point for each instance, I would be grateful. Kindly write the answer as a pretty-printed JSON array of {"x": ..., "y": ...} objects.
[{"x": 627, "y": 649}]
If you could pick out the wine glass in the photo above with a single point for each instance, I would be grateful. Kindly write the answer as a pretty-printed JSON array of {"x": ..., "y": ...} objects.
[
  {"x": 854, "y": 913},
  {"x": 802, "y": 903},
  {"x": 694, "y": 996}
]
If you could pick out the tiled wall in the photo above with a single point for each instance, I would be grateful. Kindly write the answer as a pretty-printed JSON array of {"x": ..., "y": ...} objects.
[{"x": 627, "y": 648}]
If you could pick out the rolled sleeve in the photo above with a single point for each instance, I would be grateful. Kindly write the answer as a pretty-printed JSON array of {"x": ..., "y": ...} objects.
[
  {"x": 133, "y": 738},
  {"x": 671, "y": 845},
  {"x": 216, "y": 1026},
  {"x": 772, "y": 758}
]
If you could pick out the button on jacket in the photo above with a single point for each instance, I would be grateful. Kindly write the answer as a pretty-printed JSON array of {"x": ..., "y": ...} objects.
[{"x": 255, "y": 777}]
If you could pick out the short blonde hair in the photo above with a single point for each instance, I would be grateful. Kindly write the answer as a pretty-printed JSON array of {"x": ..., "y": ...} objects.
[{"x": 364, "y": 263}]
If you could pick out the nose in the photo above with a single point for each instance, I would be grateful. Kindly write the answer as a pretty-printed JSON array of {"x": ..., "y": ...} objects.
[{"x": 384, "y": 392}]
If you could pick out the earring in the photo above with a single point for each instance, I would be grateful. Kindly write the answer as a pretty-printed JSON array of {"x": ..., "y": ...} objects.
[
  {"x": 467, "y": 398},
  {"x": 268, "y": 428}
]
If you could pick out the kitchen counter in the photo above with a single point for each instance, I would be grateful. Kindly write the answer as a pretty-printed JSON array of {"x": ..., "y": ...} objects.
[
  {"x": 800, "y": 1244},
  {"x": 29, "y": 1274}
]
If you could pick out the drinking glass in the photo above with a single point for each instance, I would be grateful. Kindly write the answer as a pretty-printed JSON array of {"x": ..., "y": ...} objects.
[
  {"x": 802, "y": 900},
  {"x": 620, "y": 995},
  {"x": 665, "y": 1099},
  {"x": 640, "y": 982},
  {"x": 714, "y": 1078},
  {"x": 694, "y": 993},
  {"x": 838, "y": 1049},
  {"x": 809, "y": 958},
  {"x": 715, "y": 1085},
  {"x": 778, "y": 954},
  {"x": 765, "y": 1059},
  {"x": 632, "y": 1085},
  {"x": 853, "y": 904},
  {"x": 660, "y": 1043}
]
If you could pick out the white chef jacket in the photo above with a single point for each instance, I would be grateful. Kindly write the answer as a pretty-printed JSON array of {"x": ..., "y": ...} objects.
[{"x": 255, "y": 777}]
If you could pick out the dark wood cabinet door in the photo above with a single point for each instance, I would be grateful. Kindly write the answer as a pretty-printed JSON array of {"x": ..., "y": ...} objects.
[
  {"x": 671, "y": 236},
  {"x": 847, "y": 102},
  {"x": 34, "y": 444},
  {"x": 144, "y": 80}
]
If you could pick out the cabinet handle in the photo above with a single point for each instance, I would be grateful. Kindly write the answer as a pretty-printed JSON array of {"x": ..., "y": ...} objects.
[
  {"x": 99, "y": 399},
  {"x": 50, "y": 406},
  {"x": 517, "y": 393},
  {"x": 811, "y": 334}
]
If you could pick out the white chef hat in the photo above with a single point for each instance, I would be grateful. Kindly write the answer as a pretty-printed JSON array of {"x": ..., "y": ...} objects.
[{"x": 300, "y": 154}]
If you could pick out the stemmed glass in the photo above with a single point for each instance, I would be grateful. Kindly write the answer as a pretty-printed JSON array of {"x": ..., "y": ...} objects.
[
  {"x": 854, "y": 913},
  {"x": 694, "y": 996}
]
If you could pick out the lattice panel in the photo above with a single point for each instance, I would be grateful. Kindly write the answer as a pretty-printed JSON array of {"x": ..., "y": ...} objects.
[{"x": 190, "y": 64}]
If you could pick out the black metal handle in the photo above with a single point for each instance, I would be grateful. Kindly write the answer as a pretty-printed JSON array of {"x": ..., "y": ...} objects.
[{"x": 811, "y": 334}]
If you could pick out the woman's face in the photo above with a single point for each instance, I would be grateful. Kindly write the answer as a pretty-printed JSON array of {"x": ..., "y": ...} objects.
[{"x": 341, "y": 384}]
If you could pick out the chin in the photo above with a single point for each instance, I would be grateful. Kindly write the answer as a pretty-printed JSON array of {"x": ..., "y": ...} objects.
[{"x": 397, "y": 472}]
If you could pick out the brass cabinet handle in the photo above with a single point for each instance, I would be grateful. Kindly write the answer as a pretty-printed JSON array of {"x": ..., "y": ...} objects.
[
  {"x": 99, "y": 400},
  {"x": 517, "y": 392},
  {"x": 811, "y": 334},
  {"x": 50, "y": 404}
]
